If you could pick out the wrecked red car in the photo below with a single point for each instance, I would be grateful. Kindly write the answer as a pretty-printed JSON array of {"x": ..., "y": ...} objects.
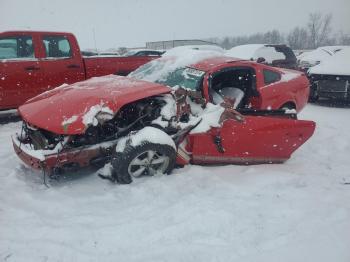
[{"x": 144, "y": 128}]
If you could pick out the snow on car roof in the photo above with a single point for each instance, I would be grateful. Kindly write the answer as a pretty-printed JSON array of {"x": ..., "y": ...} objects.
[
  {"x": 320, "y": 53},
  {"x": 173, "y": 59},
  {"x": 254, "y": 51},
  {"x": 338, "y": 64},
  {"x": 209, "y": 63},
  {"x": 244, "y": 51}
]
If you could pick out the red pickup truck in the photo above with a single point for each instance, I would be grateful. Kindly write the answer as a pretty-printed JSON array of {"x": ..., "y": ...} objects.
[{"x": 34, "y": 62}]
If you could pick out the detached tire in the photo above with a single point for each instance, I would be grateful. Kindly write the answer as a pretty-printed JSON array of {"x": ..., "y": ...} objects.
[{"x": 145, "y": 159}]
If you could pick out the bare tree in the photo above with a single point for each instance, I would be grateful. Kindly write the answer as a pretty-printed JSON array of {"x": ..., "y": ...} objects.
[
  {"x": 273, "y": 37},
  {"x": 343, "y": 39},
  {"x": 316, "y": 33},
  {"x": 226, "y": 43},
  {"x": 122, "y": 50},
  {"x": 297, "y": 38},
  {"x": 319, "y": 27}
]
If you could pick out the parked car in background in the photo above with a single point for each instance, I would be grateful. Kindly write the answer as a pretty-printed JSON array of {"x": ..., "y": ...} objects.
[
  {"x": 331, "y": 78},
  {"x": 34, "y": 62},
  {"x": 308, "y": 59},
  {"x": 88, "y": 53},
  {"x": 274, "y": 55},
  {"x": 144, "y": 52},
  {"x": 204, "y": 48}
]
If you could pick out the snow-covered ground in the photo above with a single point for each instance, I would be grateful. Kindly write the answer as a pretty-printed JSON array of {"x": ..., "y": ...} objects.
[{"x": 297, "y": 211}]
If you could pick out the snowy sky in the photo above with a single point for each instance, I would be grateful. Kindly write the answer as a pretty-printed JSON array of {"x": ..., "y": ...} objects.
[{"x": 134, "y": 22}]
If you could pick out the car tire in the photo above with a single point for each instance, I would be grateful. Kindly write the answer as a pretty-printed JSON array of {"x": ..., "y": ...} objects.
[
  {"x": 288, "y": 106},
  {"x": 313, "y": 98},
  {"x": 145, "y": 159}
]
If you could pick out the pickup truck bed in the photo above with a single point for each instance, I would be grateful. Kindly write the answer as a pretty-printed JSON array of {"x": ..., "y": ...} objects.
[{"x": 100, "y": 66}]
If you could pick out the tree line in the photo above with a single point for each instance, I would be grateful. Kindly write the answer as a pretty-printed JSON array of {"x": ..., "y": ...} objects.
[{"x": 317, "y": 32}]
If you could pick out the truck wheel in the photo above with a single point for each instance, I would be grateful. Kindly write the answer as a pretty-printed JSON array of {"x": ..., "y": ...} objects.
[{"x": 145, "y": 159}]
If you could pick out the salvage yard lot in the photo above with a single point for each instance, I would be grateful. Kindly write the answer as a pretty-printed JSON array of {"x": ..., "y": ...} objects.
[{"x": 297, "y": 211}]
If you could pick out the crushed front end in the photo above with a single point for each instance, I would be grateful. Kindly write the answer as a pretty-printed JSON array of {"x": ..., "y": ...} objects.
[{"x": 50, "y": 152}]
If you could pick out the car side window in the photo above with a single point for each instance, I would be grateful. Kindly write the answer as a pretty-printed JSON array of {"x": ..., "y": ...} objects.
[
  {"x": 271, "y": 76},
  {"x": 57, "y": 46},
  {"x": 141, "y": 53},
  {"x": 16, "y": 47},
  {"x": 154, "y": 53}
]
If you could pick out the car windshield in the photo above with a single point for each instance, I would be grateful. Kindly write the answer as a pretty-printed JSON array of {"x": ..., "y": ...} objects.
[
  {"x": 188, "y": 78},
  {"x": 169, "y": 72}
]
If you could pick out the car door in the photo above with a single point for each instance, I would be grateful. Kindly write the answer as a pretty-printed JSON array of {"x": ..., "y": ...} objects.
[
  {"x": 272, "y": 90},
  {"x": 61, "y": 64},
  {"x": 255, "y": 140},
  {"x": 21, "y": 72}
]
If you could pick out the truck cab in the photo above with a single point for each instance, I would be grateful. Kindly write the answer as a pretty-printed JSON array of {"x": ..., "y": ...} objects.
[{"x": 32, "y": 62}]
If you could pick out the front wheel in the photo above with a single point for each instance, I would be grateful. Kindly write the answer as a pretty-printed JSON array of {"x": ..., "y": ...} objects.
[
  {"x": 313, "y": 96},
  {"x": 145, "y": 159}
]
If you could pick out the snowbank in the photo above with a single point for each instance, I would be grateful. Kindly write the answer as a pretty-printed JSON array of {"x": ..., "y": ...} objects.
[{"x": 296, "y": 211}]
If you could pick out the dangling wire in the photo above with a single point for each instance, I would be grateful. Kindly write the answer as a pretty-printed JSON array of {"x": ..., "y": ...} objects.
[
  {"x": 20, "y": 141},
  {"x": 44, "y": 171}
]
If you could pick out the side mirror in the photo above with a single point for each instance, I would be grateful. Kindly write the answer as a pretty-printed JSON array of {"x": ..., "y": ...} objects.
[{"x": 261, "y": 60}]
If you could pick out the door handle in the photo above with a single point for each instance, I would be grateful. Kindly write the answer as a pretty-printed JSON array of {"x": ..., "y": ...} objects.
[
  {"x": 73, "y": 66},
  {"x": 32, "y": 68}
]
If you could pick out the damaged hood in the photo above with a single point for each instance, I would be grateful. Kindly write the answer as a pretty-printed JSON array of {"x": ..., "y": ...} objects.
[{"x": 70, "y": 109}]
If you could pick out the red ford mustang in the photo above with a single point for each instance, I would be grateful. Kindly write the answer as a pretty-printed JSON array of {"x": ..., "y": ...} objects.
[{"x": 214, "y": 114}]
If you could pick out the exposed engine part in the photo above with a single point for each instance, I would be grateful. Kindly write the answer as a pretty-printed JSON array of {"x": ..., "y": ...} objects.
[
  {"x": 131, "y": 117},
  {"x": 39, "y": 139}
]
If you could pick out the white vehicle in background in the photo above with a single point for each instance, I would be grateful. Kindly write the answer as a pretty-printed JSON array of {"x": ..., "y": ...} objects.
[
  {"x": 144, "y": 52},
  {"x": 312, "y": 58},
  {"x": 274, "y": 55},
  {"x": 205, "y": 48},
  {"x": 331, "y": 78}
]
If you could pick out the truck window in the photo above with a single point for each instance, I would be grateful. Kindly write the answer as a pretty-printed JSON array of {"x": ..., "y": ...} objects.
[
  {"x": 57, "y": 46},
  {"x": 271, "y": 77},
  {"x": 16, "y": 47}
]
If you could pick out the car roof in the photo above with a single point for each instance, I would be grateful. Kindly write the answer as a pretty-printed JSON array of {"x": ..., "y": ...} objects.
[{"x": 213, "y": 62}]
